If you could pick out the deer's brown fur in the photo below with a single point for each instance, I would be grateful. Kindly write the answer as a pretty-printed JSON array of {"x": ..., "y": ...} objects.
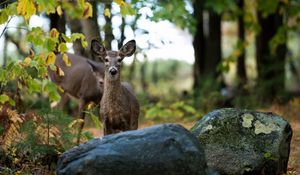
[{"x": 119, "y": 107}]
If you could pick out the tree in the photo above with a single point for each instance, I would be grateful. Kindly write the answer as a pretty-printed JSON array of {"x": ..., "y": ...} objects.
[
  {"x": 270, "y": 61},
  {"x": 241, "y": 67},
  {"x": 198, "y": 43}
]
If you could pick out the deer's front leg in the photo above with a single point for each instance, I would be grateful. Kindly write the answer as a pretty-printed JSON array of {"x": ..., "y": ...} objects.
[{"x": 81, "y": 114}]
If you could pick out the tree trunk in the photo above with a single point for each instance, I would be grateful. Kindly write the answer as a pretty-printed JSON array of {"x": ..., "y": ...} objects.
[
  {"x": 122, "y": 38},
  {"x": 90, "y": 29},
  {"x": 198, "y": 44},
  {"x": 108, "y": 29},
  {"x": 57, "y": 22},
  {"x": 241, "y": 67},
  {"x": 270, "y": 66},
  {"x": 213, "y": 46}
]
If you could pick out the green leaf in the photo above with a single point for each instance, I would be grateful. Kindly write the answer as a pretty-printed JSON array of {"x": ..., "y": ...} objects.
[
  {"x": 95, "y": 119},
  {"x": 267, "y": 7},
  {"x": 34, "y": 85},
  {"x": 62, "y": 47},
  {"x": 51, "y": 89},
  {"x": 5, "y": 98},
  {"x": 126, "y": 9},
  {"x": 3, "y": 16},
  {"x": 67, "y": 39},
  {"x": 88, "y": 135}
]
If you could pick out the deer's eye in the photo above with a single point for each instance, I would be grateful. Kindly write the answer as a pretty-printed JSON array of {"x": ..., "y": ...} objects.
[
  {"x": 106, "y": 60},
  {"x": 119, "y": 60}
]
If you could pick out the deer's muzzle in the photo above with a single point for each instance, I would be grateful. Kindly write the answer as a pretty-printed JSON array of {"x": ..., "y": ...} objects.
[{"x": 113, "y": 70}]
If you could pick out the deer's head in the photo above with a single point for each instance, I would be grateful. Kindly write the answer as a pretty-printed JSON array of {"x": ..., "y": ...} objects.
[{"x": 113, "y": 59}]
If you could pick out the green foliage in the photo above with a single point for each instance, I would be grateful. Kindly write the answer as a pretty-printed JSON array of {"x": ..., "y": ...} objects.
[
  {"x": 220, "y": 6},
  {"x": 176, "y": 12},
  {"x": 267, "y": 7},
  {"x": 176, "y": 111},
  {"x": 95, "y": 119},
  {"x": 5, "y": 98},
  {"x": 38, "y": 141}
]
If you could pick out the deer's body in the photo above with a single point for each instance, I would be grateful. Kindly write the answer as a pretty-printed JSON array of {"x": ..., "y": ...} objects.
[
  {"x": 119, "y": 109},
  {"x": 79, "y": 80}
]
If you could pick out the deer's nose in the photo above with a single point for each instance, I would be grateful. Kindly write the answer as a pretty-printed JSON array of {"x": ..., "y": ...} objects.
[{"x": 113, "y": 70}]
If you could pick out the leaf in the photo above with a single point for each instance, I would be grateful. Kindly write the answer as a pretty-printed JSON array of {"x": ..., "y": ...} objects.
[
  {"x": 66, "y": 60},
  {"x": 34, "y": 85},
  {"x": 53, "y": 67},
  {"x": 88, "y": 10},
  {"x": 62, "y": 47},
  {"x": 26, "y": 8},
  {"x": 59, "y": 10},
  {"x": 107, "y": 12},
  {"x": 126, "y": 9},
  {"x": 66, "y": 39},
  {"x": 119, "y": 2},
  {"x": 54, "y": 33},
  {"x": 50, "y": 44},
  {"x": 60, "y": 72},
  {"x": 51, "y": 88},
  {"x": 3, "y": 16},
  {"x": 50, "y": 59},
  {"x": 27, "y": 61},
  {"x": 95, "y": 119},
  {"x": 88, "y": 135},
  {"x": 49, "y": 5},
  {"x": 4, "y": 98}
]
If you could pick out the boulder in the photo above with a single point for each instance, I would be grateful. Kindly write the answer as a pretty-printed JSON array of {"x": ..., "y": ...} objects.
[
  {"x": 167, "y": 149},
  {"x": 244, "y": 142}
]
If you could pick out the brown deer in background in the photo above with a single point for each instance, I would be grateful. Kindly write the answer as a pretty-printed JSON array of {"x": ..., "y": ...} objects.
[
  {"x": 119, "y": 108},
  {"x": 80, "y": 80}
]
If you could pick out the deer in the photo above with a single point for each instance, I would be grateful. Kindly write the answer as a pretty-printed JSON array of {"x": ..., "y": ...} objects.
[
  {"x": 83, "y": 79},
  {"x": 119, "y": 107}
]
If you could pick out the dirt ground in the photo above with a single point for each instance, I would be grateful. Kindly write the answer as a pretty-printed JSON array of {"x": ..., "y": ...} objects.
[{"x": 290, "y": 112}]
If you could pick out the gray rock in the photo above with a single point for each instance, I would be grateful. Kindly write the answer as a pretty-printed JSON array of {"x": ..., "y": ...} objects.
[
  {"x": 167, "y": 149},
  {"x": 244, "y": 142}
]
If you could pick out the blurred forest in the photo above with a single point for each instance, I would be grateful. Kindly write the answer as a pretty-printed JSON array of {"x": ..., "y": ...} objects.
[{"x": 246, "y": 55}]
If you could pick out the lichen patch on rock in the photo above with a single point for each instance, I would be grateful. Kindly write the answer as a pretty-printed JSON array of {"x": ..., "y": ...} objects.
[
  {"x": 247, "y": 120},
  {"x": 206, "y": 128},
  {"x": 266, "y": 129}
]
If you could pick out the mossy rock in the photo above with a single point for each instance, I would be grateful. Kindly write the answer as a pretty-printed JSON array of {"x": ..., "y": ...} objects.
[{"x": 244, "y": 142}]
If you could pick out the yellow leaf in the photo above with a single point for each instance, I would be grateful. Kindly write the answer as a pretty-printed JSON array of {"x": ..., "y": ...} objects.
[
  {"x": 50, "y": 59},
  {"x": 54, "y": 33},
  {"x": 74, "y": 122},
  {"x": 26, "y": 8},
  {"x": 91, "y": 105},
  {"x": 27, "y": 61},
  {"x": 119, "y": 2},
  {"x": 60, "y": 89},
  {"x": 66, "y": 60},
  {"x": 59, "y": 10},
  {"x": 88, "y": 10},
  {"x": 60, "y": 72},
  {"x": 107, "y": 12}
]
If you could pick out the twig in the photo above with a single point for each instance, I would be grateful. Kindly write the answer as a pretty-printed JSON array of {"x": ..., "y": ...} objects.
[{"x": 6, "y": 26}]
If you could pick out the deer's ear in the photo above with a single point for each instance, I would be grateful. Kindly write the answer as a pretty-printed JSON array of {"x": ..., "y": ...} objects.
[
  {"x": 92, "y": 65},
  {"x": 98, "y": 48},
  {"x": 128, "y": 49}
]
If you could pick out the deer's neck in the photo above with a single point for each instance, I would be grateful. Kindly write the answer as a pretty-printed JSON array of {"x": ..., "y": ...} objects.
[{"x": 112, "y": 88}]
